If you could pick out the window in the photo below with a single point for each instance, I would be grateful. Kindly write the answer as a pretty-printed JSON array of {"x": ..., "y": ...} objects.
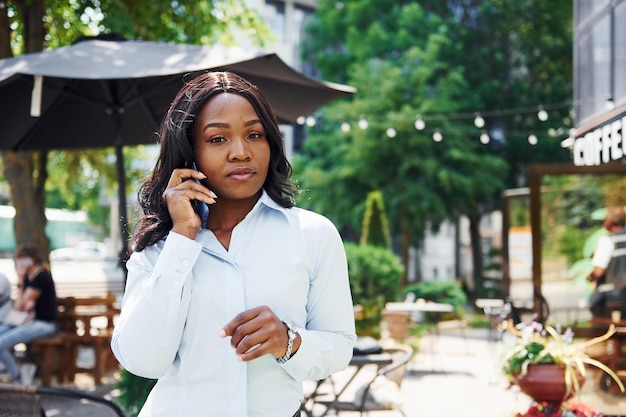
[
  {"x": 593, "y": 69},
  {"x": 619, "y": 47},
  {"x": 275, "y": 17},
  {"x": 586, "y": 8},
  {"x": 301, "y": 16}
]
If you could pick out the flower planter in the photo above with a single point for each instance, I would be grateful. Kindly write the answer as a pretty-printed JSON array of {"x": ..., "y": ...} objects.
[{"x": 546, "y": 383}]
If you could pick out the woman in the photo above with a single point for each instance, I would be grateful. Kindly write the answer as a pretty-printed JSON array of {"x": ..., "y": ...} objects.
[
  {"x": 233, "y": 296},
  {"x": 36, "y": 296}
]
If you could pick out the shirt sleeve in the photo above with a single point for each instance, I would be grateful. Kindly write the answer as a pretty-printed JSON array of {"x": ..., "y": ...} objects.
[
  {"x": 602, "y": 254},
  {"x": 155, "y": 305},
  {"x": 329, "y": 335}
]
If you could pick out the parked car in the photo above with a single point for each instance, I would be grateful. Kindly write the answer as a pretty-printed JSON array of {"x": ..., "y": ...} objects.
[{"x": 83, "y": 251}]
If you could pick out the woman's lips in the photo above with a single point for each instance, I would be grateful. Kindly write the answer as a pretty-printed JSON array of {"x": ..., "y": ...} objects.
[{"x": 241, "y": 174}]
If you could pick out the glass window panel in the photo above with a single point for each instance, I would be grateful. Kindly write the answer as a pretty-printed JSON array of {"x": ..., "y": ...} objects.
[
  {"x": 275, "y": 17},
  {"x": 601, "y": 61},
  {"x": 619, "y": 45},
  {"x": 593, "y": 69},
  {"x": 301, "y": 16},
  {"x": 584, "y": 77}
]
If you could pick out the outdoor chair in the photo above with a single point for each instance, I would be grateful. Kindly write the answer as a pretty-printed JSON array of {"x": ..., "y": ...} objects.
[
  {"x": 30, "y": 401},
  {"x": 365, "y": 400}
]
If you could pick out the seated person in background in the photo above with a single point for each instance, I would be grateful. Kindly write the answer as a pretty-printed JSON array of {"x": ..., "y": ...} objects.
[
  {"x": 37, "y": 296},
  {"x": 5, "y": 297},
  {"x": 609, "y": 262}
]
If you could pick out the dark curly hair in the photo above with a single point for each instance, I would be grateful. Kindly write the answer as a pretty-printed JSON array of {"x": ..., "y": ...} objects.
[{"x": 177, "y": 150}]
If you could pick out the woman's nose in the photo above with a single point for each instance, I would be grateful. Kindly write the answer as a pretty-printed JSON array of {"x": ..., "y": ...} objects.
[{"x": 239, "y": 150}]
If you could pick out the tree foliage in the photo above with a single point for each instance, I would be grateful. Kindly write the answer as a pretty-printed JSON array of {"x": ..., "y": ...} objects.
[
  {"x": 432, "y": 58},
  {"x": 31, "y": 26},
  {"x": 375, "y": 229}
]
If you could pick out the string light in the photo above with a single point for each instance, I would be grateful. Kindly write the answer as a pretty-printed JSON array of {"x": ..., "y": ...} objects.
[
  {"x": 419, "y": 123},
  {"x": 567, "y": 143},
  {"x": 542, "y": 114},
  {"x": 609, "y": 104},
  {"x": 479, "y": 122},
  {"x": 478, "y": 118}
]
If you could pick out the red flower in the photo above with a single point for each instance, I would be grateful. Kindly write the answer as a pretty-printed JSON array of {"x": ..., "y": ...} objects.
[{"x": 565, "y": 410}]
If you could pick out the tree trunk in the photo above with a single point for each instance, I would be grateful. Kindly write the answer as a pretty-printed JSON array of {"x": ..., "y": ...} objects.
[
  {"x": 477, "y": 254},
  {"x": 27, "y": 172},
  {"x": 5, "y": 33},
  {"x": 406, "y": 244}
]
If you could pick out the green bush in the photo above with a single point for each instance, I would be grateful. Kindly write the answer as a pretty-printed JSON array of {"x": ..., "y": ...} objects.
[
  {"x": 374, "y": 276},
  {"x": 448, "y": 292},
  {"x": 134, "y": 391}
]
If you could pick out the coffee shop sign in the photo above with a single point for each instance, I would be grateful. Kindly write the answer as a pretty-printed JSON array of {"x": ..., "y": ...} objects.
[{"x": 601, "y": 145}]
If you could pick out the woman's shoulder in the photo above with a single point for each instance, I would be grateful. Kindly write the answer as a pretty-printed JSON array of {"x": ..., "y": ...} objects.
[{"x": 308, "y": 219}]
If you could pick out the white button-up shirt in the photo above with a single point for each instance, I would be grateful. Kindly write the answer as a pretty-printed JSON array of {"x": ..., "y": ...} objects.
[{"x": 181, "y": 292}]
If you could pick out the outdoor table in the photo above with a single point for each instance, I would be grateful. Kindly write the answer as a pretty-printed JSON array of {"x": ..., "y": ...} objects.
[
  {"x": 492, "y": 307},
  {"x": 420, "y": 306},
  {"x": 357, "y": 363}
]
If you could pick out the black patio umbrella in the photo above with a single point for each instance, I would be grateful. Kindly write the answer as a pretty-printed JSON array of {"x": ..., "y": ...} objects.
[{"x": 101, "y": 93}]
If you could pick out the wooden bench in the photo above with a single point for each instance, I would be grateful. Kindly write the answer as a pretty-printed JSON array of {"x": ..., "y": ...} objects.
[{"x": 85, "y": 322}]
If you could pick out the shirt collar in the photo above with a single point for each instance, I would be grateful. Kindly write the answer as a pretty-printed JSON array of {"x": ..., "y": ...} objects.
[{"x": 268, "y": 202}]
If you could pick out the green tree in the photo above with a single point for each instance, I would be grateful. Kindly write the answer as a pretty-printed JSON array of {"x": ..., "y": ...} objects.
[
  {"x": 375, "y": 225},
  {"x": 423, "y": 182},
  {"x": 433, "y": 58},
  {"x": 28, "y": 26}
]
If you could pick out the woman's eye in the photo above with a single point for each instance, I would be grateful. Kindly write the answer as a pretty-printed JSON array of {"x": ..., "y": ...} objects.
[
  {"x": 216, "y": 139},
  {"x": 256, "y": 135}
]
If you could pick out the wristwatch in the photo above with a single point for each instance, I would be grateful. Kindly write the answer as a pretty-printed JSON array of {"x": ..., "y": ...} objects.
[{"x": 292, "y": 333}]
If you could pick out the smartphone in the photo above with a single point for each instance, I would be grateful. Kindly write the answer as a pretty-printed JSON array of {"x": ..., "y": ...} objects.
[{"x": 200, "y": 207}]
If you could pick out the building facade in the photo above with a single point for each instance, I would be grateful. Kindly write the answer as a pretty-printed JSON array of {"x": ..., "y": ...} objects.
[{"x": 600, "y": 81}]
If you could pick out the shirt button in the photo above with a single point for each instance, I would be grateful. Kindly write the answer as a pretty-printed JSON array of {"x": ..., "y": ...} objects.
[{"x": 185, "y": 263}]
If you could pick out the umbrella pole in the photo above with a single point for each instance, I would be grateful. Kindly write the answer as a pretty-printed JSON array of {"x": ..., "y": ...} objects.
[{"x": 121, "y": 182}]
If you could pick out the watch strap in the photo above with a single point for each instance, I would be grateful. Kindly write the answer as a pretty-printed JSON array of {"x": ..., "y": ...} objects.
[{"x": 292, "y": 333}]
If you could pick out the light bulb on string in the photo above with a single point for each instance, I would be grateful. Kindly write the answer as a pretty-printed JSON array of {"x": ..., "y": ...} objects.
[
  {"x": 609, "y": 104},
  {"x": 532, "y": 139},
  {"x": 437, "y": 136},
  {"x": 391, "y": 132},
  {"x": 301, "y": 120},
  {"x": 479, "y": 122},
  {"x": 419, "y": 123},
  {"x": 567, "y": 142},
  {"x": 363, "y": 123},
  {"x": 310, "y": 121},
  {"x": 345, "y": 127},
  {"x": 542, "y": 114},
  {"x": 484, "y": 138}
]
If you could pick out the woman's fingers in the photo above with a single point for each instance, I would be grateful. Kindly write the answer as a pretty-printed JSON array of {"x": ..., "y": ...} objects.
[
  {"x": 256, "y": 332},
  {"x": 183, "y": 187}
]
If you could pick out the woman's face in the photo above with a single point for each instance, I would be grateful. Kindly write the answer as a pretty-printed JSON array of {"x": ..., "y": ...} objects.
[
  {"x": 22, "y": 264},
  {"x": 231, "y": 147}
]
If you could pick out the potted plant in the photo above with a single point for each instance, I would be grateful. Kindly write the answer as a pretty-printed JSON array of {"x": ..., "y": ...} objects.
[{"x": 548, "y": 365}]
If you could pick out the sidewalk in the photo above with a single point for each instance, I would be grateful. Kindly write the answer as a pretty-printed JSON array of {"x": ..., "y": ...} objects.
[
  {"x": 451, "y": 375},
  {"x": 462, "y": 377}
]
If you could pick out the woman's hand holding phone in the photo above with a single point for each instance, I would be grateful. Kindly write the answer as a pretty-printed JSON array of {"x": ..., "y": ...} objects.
[{"x": 179, "y": 195}]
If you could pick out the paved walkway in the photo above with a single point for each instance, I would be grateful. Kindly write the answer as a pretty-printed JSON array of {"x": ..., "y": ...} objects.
[{"x": 451, "y": 375}]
